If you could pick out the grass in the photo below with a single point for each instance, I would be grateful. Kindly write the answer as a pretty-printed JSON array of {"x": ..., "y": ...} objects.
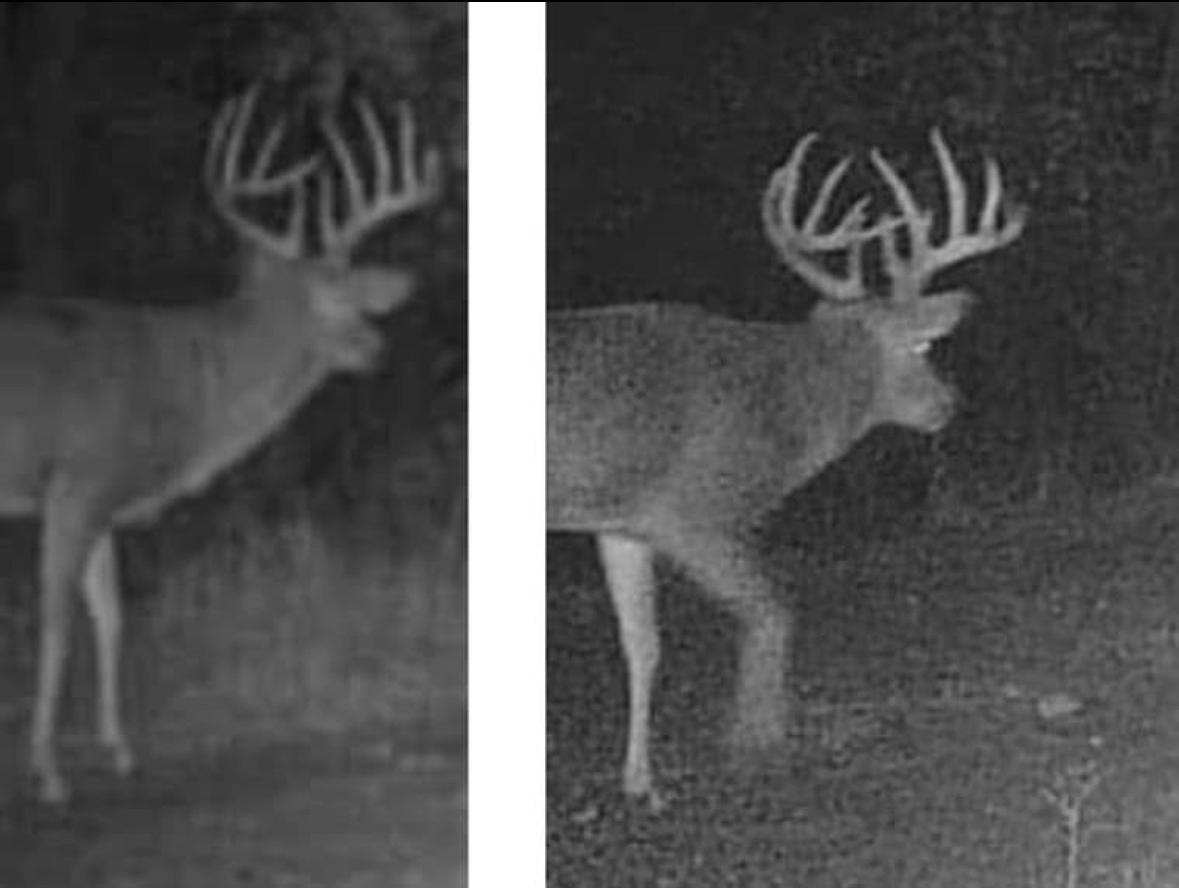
[{"x": 326, "y": 617}]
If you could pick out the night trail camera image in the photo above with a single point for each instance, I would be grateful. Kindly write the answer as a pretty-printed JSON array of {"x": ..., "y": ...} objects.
[
  {"x": 861, "y": 444},
  {"x": 233, "y": 444}
]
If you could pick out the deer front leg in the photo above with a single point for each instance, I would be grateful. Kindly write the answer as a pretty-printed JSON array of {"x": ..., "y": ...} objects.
[
  {"x": 66, "y": 536},
  {"x": 630, "y": 575},
  {"x": 53, "y": 650},
  {"x": 730, "y": 571},
  {"x": 763, "y": 696},
  {"x": 100, "y": 586}
]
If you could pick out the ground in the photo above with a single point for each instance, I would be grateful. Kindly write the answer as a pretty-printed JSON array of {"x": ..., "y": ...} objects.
[
  {"x": 992, "y": 700},
  {"x": 364, "y": 807},
  {"x": 352, "y": 811}
]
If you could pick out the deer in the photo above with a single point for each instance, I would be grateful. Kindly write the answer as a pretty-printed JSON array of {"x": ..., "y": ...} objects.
[
  {"x": 110, "y": 413},
  {"x": 672, "y": 432}
]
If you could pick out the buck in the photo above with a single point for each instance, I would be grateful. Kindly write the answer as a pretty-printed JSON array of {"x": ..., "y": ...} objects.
[
  {"x": 110, "y": 413},
  {"x": 673, "y": 432}
]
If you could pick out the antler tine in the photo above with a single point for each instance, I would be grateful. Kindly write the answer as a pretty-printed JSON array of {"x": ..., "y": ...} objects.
[
  {"x": 295, "y": 224},
  {"x": 407, "y": 139},
  {"x": 430, "y": 170},
  {"x": 782, "y": 190},
  {"x": 224, "y": 144},
  {"x": 795, "y": 244},
  {"x": 348, "y": 169},
  {"x": 243, "y": 114},
  {"x": 852, "y": 220},
  {"x": 910, "y": 275},
  {"x": 988, "y": 218},
  {"x": 955, "y": 187},
  {"x": 236, "y": 115},
  {"x": 904, "y": 274},
  {"x": 215, "y": 149},
  {"x": 1016, "y": 214},
  {"x": 259, "y": 182},
  {"x": 420, "y": 181},
  {"x": 227, "y": 184},
  {"x": 327, "y": 207}
]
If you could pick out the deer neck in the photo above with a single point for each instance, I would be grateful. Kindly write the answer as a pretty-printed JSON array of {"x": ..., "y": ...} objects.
[
  {"x": 843, "y": 356},
  {"x": 259, "y": 366}
]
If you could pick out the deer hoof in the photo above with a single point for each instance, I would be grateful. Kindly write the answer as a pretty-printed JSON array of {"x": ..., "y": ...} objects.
[
  {"x": 123, "y": 760},
  {"x": 52, "y": 789}
]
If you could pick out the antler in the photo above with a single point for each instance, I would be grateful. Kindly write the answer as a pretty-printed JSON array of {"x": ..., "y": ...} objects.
[
  {"x": 226, "y": 182},
  {"x": 795, "y": 244},
  {"x": 911, "y": 275},
  {"x": 420, "y": 182}
]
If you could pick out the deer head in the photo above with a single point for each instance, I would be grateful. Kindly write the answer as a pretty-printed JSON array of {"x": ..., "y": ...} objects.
[
  {"x": 903, "y": 323},
  {"x": 341, "y": 298}
]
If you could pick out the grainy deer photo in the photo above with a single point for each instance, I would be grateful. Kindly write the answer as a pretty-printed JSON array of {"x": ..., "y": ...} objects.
[
  {"x": 861, "y": 458},
  {"x": 233, "y": 436}
]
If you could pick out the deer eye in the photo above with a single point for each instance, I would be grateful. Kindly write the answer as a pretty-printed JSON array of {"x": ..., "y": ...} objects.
[{"x": 921, "y": 348}]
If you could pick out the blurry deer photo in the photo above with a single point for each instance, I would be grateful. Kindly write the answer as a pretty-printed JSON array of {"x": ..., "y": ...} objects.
[
  {"x": 673, "y": 432},
  {"x": 109, "y": 413}
]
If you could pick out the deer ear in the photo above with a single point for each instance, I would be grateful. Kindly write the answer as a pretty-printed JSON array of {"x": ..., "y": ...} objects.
[
  {"x": 932, "y": 317},
  {"x": 380, "y": 290},
  {"x": 363, "y": 291}
]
